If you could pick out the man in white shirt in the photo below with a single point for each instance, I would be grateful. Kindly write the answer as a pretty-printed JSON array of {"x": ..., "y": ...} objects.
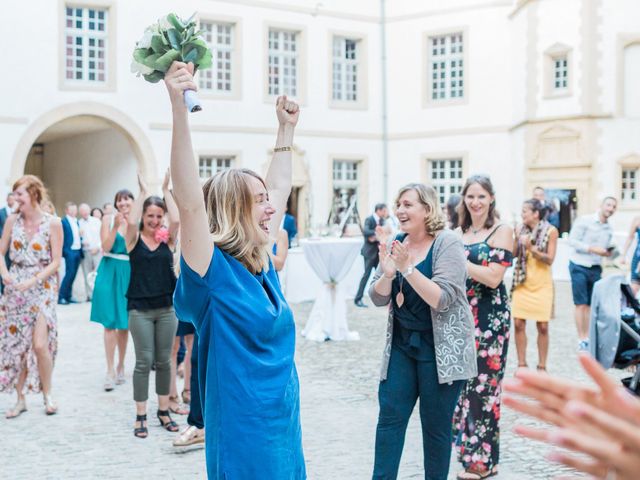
[
  {"x": 91, "y": 245},
  {"x": 71, "y": 251},
  {"x": 590, "y": 240}
]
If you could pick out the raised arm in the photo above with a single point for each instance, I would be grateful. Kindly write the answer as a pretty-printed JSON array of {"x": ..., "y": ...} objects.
[
  {"x": 196, "y": 241},
  {"x": 172, "y": 209},
  {"x": 278, "y": 178},
  {"x": 135, "y": 215},
  {"x": 282, "y": 250}
]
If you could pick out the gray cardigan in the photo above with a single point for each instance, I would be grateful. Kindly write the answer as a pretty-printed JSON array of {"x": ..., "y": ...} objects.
[{"x": 453, "y": 324}]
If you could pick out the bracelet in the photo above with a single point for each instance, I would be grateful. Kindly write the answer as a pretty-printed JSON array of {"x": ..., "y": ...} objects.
[{"x": 282, "y": 149}]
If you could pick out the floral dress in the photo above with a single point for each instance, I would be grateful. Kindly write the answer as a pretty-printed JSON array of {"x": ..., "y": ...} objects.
[
  {"x": 475, "y": 421},
  {"x": 20, "y": 310}
]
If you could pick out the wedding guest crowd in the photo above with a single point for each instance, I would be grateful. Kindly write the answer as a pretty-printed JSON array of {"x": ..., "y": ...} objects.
[{"x": 441, "y": 278}]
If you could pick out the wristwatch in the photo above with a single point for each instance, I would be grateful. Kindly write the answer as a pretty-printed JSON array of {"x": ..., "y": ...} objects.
[{"x": 407, "y": 272}]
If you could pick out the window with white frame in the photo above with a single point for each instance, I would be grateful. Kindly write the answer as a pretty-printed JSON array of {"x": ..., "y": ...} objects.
[
  {"x": 346, "y": 181},
  {"x": 85, "y": 45},
  {"x": 283, "y": 62},
  {"x": 446, "y": 60},
  {"x": 629, "y": 184},
  {"x": 219, "y": 36},
  {"x": 345, "y": 69},
  {"x": 446, "y": 177},
  {"x": 209, "y": 165},
  {"x": 560, "y": 73}
]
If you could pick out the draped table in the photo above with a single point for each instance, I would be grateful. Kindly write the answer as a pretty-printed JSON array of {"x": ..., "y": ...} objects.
[{"x": 331, "y": 259}]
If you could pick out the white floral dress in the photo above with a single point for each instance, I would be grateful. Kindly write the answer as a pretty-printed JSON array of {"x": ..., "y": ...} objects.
[{"x": 20, "y": 310}]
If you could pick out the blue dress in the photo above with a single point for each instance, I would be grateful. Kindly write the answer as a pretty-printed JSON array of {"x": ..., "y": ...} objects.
[{"x": 248, "y": 378}]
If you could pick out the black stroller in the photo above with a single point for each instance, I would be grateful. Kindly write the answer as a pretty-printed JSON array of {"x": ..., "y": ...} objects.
[
  {"x": 628, "y": 352},
  {"x": 615, "y": 328}
]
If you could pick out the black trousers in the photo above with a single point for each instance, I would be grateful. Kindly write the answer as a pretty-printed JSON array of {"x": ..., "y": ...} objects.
[{"x": 370, "y": 264}]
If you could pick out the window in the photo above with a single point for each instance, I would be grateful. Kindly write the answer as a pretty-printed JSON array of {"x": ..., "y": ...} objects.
[
  {"x": 85, "y": 45},
  {"x": 219, "y": 78},
  {"x": 345, "y": 190},
  {"x": 560, "y": 73},
  {"x": 446, "y": 67},
  {"x": 345, "y": 69},
  {"x": 446, "y": 177},
  {"x": 283, "y": 62},
  {"x": 629, "y": 186},
  {"x": 209, "y": 165}
]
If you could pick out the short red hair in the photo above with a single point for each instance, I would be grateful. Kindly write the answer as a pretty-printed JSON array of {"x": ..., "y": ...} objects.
[{"x": 34, "y": 187}]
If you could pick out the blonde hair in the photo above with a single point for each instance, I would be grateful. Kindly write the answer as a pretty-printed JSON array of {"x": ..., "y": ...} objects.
[
  {"x": 229, "y": 202},
  {"x": 428, "y": 197}
]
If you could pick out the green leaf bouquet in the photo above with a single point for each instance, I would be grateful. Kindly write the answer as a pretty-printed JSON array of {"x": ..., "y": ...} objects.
[{"x": 171, "y": 39}]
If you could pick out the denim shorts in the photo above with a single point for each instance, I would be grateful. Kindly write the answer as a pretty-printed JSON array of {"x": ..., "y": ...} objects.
[{"x": 582, "y": 281}]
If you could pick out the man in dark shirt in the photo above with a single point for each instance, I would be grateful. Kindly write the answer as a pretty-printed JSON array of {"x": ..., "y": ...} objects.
[{"x": 370, "y": 248}]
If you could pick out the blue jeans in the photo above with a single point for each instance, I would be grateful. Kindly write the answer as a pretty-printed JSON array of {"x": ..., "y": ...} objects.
[
  {"x": 407, "y": 380},
  {"x": 195, "y": 411}
]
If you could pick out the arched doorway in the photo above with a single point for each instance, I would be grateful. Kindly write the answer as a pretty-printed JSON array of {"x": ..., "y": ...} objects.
[{"x": 84, "y": 152}]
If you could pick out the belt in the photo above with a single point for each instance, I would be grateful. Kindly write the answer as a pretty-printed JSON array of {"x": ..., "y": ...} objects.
[{"x": 117, "y": 256}]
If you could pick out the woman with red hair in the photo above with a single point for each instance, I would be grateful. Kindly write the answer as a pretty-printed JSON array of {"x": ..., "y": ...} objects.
[{"x": 28, "y": 333}]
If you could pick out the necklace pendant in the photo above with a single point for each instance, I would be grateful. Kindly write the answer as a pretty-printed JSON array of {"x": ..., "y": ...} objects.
[{"x": 400, "y": 299}]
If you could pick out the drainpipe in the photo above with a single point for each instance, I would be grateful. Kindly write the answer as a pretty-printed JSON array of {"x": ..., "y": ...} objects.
[{"x": 385, "y": 132}]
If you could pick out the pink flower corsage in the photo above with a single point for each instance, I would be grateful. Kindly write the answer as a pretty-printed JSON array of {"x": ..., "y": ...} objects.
[{"x": 162, "y": 235}]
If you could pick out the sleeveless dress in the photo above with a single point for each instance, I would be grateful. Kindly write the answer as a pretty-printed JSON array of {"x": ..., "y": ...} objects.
[
  {"x": 475, "y": 421},
  {"x": 109, "y": 301},
  {"x": 20, "y": 310},
  {"x": 533, "y": 299},
  {"x": 248, "y": 379},
  {"x": 635, "y": 275}
]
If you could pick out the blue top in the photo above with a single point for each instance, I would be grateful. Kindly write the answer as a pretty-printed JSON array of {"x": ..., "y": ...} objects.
[
  {"x": 412, "y": 324},
  {"x": 246, "y": 370}
]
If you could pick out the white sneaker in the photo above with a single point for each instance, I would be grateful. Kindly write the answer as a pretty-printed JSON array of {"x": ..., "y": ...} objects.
[{"x": 583, "y": 346}]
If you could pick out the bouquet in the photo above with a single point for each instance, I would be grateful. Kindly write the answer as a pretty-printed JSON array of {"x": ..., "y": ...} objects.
[{"x": 171, "y": 39}]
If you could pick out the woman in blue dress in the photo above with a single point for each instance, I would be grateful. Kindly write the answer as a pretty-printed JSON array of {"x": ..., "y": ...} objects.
[{"x": 230, "y": 291}]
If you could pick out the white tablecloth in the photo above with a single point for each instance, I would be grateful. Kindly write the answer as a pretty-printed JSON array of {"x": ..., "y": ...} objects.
[{"x": 331, "y": 259}]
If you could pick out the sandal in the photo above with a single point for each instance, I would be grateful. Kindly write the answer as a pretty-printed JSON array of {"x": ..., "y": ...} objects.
[
  {"x": 170, "y": 425},
  {"x": 476, "y": 475},
  {"x": 186, "y": 396},
  {"x": 191, "y": 436},
  {"x": 19, "y": 408},
  {"x": 50, "y": 408},
  {"x": 542, "y": 368},
  {"x": 141, "y": 431},
  {"x": 179, "y": 408}
]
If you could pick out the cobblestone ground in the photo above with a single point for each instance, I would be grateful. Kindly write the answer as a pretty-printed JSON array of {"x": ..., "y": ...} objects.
[{"x": 91, "y": 437}]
